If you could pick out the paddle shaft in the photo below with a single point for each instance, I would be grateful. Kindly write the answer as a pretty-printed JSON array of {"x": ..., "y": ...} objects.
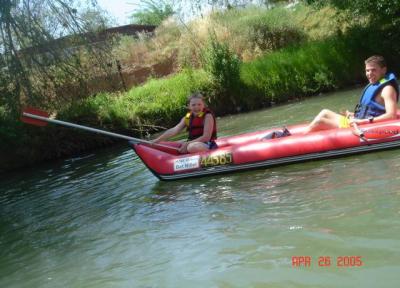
[
  {"x": 68, "y": 124},
  {"x": 359, "y": 132}
]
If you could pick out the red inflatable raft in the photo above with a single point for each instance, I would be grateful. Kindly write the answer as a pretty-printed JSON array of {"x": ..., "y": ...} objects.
[{"x": 250, "y": 150}]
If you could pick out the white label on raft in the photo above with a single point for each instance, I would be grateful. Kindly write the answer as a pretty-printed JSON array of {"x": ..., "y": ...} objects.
[{"x": 187, "y": 163}]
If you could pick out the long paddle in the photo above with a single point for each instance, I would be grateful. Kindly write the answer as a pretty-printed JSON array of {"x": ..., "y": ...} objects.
[{"x": 41, "y": 118}]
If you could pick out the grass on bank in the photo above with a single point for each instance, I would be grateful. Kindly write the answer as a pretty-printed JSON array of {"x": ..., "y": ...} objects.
[
  {"x": 153, "y": 106},
  {"x": 301, "y": 71}
]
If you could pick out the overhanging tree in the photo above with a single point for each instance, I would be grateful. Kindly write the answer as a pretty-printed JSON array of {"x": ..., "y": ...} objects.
[
  {"x": 152, "y": 13},
  {"x": 380, "y": 11},
  {"x": 31, "y": 60}
]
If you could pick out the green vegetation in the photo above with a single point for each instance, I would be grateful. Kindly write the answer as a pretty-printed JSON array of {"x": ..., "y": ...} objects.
[
  {"x": 249, "y": 33},
  {"x": 146, "y": 108},
  {"x": 253, "y": 31},
  {"x": 301, "y": 71},
  {"x": 381, "y": 12},
  {"x": 34, "y": 65},
  {"x": 153, "y": 13},
  {"x": 242, "y": 59},
  {"x": 223, "y": 66}
]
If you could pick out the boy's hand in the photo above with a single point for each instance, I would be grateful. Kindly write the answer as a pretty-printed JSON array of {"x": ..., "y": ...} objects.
[
  {"x": 349, "y": 114},
  {"x": 183, "y": 148}
]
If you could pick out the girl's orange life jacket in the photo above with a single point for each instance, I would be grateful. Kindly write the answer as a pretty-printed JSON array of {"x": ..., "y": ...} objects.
[{"x": 195, "y": 124}]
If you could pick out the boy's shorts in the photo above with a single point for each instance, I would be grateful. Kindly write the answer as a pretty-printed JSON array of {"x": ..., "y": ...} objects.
[{"x": 344, "y": 122}]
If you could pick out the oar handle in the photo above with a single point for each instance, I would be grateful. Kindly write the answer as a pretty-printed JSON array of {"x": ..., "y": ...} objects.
[
  {"x": 68, "y": 124},
  {"x": 358, "y": 132}
]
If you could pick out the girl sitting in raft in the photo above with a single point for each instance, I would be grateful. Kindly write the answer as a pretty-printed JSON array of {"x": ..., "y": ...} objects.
[{"x": 200, "y": 124}]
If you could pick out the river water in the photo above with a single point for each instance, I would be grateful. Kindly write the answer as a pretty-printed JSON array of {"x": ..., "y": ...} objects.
[{"x": 103, "y": 220}]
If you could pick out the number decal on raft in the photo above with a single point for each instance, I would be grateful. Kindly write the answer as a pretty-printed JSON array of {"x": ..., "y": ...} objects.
[{"x": 214, "y": 160}]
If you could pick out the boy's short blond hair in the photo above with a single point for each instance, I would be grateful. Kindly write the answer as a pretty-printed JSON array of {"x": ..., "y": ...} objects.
[{"x": 376, "y": 59}]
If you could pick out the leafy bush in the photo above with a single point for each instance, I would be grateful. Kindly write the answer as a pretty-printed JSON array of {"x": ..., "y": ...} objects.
[
  {"x": 224, "y": 68},
  {"x": 259, "y": 29},
  {"x": 152, "y": 13},
  {"x": 10, "y": 129}
]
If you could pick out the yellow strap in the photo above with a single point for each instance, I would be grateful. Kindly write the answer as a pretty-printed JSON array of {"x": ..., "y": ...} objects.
[{"x": 187, "y": 117}]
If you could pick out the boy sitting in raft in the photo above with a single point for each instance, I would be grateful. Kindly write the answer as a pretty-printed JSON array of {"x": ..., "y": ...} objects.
[
  {"x": 378, "y": 101},
  {"x": 200, "y": 124}
]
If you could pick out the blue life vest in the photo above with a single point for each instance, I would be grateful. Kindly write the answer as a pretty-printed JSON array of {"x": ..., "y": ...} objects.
[{"x": 368, "y": 106}]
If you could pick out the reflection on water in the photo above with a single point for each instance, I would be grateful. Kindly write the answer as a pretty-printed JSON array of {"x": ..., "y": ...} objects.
[{"x": 104, "y": 220}]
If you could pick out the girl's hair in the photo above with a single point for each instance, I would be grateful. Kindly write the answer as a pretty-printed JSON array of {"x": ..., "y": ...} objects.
[{"x": 196, "y": 95}]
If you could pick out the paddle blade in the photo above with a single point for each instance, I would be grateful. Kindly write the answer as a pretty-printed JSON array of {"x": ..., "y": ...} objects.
[{"x": 29, "y": 110}]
